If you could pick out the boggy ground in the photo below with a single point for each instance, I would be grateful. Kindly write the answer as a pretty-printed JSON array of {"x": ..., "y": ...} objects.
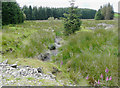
[{"x": 86, "y": 53}]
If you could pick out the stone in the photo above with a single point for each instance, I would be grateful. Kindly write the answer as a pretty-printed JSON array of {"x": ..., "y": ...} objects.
[
  {"x": 39, "y": 70},
  {"x": 44, "y": 57},
  {"x": 14, "y": 65},
  {"x": 5, "y": 62},
  {"x": 55, "y": 70},
  {"x": 40, "y": 56},
  {"x": 68, "y": 70},
  {"x": 52, "y": 47},
  {"x": 52, "y": 76},
  {"x": 1, "y": 52}
]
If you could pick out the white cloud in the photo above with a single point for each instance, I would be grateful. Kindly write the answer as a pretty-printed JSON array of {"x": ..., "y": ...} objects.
[{"x": 92, "y": 4}]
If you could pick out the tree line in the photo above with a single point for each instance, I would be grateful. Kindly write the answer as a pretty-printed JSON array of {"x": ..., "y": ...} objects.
[
  {"x": 43, "y": 13},
  {"x": 105, "y": 12},
  {"x": 11, "y": 13}
]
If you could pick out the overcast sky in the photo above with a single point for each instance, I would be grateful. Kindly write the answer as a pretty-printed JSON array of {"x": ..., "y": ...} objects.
[{"x": 92, "y": 4}]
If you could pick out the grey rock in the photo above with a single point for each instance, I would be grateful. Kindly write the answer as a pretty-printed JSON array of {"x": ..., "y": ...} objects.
[
  {"x": 57, "y": 40},
  {"x": 39, "y": 70},
  {"x": 91, "y": 28},
  {"x": 107, "y": 26},
  {"x": 44, "y": 57},
  {"x": 14, "y": 65},
  {"x": 40, "y": 56},
  {"x": 5, "y": 62},
  {"x": 55, "y": 70},
  {"x": 52, "y": 76},
  {"x": 1, "y": 52},
  {"x": 52, "y": 47}
]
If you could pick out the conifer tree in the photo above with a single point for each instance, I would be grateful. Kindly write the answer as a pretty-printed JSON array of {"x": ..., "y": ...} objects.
[
  {"x": 72, "y": 22},
  {"x": 11, "y": 13},
  {"x": 106, "y": 11},
  {"x": 98, "y": 15}
]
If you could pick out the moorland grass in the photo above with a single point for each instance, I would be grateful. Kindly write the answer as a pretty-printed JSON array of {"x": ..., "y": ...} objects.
[{"x": 87, "y": 52}]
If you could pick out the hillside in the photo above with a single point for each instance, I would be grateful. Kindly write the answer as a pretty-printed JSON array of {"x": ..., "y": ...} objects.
[{"x": 67, "y": 60}]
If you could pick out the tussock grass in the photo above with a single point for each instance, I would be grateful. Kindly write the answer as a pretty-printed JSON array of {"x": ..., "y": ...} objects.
[
  {"x": 89, "y": 53},
  {"x": 26, "y": 40}
]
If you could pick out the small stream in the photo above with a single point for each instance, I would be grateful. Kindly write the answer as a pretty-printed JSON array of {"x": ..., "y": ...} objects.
[
  {"x": 53, "y": 50},
  {"x": 57, "y": 45}
]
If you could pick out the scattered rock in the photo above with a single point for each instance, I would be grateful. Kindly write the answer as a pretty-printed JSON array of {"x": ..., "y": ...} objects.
[
  {"x": 11, "y": 74},
  {"x": 14, "y": 65},
  {"x": 55, "y": 70},
  {"x": 91, "y": 28},
  {"x": 39, "y": 70},
  {"x": 44, "y": 57},
  {"x": 1, "y": 52},
  {"x": 107, "y": 26},
  {"x": 5, "y": 62},
  {"x": 52, "y": 47},
  {"x": 68, "y": 70},
  {"x": 52, "y": 76},
  {"x": 11, "y": 49},
  {"x": 102, "y": 24},
  {"x": 57, "y": 40},
  {"x": 40, "y": 56},
  {"x": 7, "y": 50}
]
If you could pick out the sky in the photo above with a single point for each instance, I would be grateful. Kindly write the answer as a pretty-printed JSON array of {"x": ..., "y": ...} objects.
[{"x": 92, "y": 4}]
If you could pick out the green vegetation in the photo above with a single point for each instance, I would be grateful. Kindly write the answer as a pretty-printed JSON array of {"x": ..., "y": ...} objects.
[
  {"x": 28, "y": 38},
  {"x": 105, "y": 13},
  {"x": 11, "y": 13},
  {"x": 90, "y": 52},
  {"x": 43, "y": 13},
  {"x": 83, "y": 56},
  {"x": 72, "y": 22},
  {"x": 30, "y": 78},
  {"x": 86, "y": 52},
  {"x": 99, "y": 16},
  {"x": 116, "y": 15}
]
